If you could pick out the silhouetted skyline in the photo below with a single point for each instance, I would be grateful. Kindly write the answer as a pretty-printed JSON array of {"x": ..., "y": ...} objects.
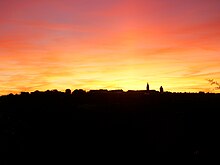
[
  {"x": 155, "y": 125},
  {"x": 160, "y": 126},
  {"x": 148, "y": 90}
]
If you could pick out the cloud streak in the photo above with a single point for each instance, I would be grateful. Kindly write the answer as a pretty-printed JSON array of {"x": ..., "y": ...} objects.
[{"x": 112, "y": 43}]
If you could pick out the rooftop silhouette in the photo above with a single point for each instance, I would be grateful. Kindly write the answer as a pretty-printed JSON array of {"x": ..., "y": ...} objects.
[{"x": 167, "y": 126}]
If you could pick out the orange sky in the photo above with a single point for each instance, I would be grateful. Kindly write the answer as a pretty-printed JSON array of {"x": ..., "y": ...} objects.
[{"x": 109, "y": 44}]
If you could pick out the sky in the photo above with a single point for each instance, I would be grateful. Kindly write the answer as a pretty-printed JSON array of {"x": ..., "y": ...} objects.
[{"x": 109, "y": 44}]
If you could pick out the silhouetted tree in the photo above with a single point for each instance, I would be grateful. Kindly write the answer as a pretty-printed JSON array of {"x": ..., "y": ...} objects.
[
  {"x": 68, "y": 91},
  {"x": 79, "y": 92}
]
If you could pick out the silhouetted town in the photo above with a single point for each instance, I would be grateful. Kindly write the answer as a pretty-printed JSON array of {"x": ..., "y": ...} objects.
[
  {"x": 102, "y": 91},
  {"x": 164, "y": 126}
]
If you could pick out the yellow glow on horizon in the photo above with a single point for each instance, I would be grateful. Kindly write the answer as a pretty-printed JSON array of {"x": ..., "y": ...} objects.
[{"x": 109, "y": 45}]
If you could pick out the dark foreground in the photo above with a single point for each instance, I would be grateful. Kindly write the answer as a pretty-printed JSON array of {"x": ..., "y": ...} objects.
[{"x": 113, "y": 127}]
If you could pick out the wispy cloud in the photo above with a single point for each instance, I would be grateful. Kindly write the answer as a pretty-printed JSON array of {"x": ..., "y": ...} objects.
[{"x": 113, "y": 43}]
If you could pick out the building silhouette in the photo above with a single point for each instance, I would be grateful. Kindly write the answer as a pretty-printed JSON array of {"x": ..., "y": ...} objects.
[
  {"x": 161, "y": 89},
  {"x": 148, "y": 91},
  {"x": 148, "y": 88}
]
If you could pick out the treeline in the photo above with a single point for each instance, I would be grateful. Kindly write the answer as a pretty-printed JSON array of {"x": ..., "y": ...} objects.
[{"x": 164, "y": 126}]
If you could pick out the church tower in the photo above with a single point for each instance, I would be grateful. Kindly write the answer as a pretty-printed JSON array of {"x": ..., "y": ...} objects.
[
  {"x": 148, "y": 88},
  {"x": 161, "y": 89}
]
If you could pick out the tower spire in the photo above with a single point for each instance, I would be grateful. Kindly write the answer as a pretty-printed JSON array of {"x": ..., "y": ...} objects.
[
  {"x": 148, "y": 88},
  {"x": 161, "y": 89}
]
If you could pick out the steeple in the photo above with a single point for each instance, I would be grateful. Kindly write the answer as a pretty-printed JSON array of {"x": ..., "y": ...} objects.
[
  {"x": 161, "y": 89},
  {"x": 148, "y": 88}
]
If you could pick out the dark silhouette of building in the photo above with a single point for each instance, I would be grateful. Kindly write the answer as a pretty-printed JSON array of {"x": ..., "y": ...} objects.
[
  {"x": 148, "y": 91},
  {"x": 178, "y": 127},
  {"x": 148, "y": 88},
  {"x": 161, "y": 89}
]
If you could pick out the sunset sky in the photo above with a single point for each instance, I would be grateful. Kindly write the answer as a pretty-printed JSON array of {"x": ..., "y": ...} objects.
[{"x": 109, "y": 44}]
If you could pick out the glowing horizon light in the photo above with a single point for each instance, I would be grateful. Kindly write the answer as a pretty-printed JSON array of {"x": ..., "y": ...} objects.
[{"x": 113, "y": 44}]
